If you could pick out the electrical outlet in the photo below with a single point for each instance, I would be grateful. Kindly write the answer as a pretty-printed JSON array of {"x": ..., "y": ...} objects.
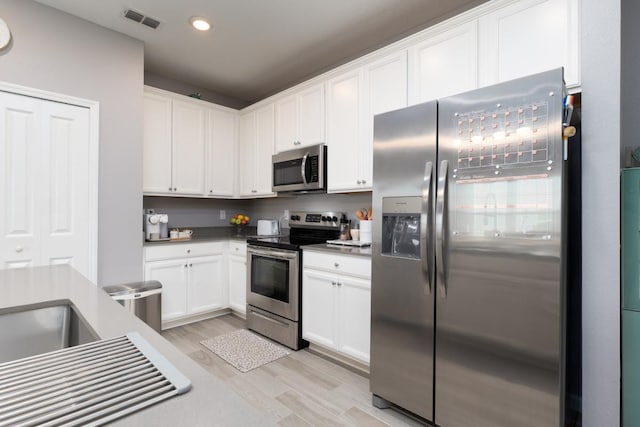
[
  {"x": 286, "y": 213},
  {"x": 223, "y": 214}
]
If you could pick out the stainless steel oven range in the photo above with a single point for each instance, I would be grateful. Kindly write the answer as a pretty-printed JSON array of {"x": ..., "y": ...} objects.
[{"x": 274, "y": 276}]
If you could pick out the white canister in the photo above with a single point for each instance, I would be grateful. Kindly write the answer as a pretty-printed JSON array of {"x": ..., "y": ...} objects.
[{"x": 365, "y": 231}]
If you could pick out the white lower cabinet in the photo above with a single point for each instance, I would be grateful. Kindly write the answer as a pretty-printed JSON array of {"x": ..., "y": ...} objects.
[
  {"x": 192, "y": 277},
  {"x": 336, "y": 303},
  {"x": 237, "y": 263}
]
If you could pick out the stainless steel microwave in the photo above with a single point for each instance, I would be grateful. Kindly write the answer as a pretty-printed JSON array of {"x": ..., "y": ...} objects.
[{"x": 301, "y": 170}]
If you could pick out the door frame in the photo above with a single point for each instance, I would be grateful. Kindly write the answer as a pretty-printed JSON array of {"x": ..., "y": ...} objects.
[{"x": 94, "y": 139}]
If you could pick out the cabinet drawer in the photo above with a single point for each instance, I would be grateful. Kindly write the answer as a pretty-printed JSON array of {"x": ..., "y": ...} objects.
[
  {"x": 182, "y": 250},
  {"x": 237, "y": 248},
  {"x": 345, "y": 264}
]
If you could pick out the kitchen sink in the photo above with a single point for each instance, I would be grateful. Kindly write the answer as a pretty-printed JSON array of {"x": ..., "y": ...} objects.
[{"x": 31, "y": 330}]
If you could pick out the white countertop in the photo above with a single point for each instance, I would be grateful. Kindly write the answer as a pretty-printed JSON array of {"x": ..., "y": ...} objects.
[{"x": 209, "y": 402}]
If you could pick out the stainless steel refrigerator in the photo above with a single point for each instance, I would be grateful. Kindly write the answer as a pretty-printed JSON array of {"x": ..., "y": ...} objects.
[{"x": 468, "y": 279}]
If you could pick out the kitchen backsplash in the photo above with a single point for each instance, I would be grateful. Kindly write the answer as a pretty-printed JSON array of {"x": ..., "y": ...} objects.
[{"x": 192, "y": 212}]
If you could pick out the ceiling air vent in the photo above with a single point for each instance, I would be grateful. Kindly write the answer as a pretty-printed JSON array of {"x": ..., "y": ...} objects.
[{"x": 141, "y": 18}]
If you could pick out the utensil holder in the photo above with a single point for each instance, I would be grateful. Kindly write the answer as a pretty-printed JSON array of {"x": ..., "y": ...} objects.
[{"x": 365, "y": 231}]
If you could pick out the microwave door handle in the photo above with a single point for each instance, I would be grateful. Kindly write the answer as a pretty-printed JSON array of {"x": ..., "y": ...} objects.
[{"x": 303, "y": 169}]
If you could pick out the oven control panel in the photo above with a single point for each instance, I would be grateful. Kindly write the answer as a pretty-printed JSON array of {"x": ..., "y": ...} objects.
[{"x": 316, "y": 219}]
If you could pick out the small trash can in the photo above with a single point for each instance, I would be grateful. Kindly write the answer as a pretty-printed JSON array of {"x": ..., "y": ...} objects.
[{"x": 144, "y": 299}]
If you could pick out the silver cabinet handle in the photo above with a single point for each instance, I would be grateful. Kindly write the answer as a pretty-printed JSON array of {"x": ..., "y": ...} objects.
[
  {"x": 188, "y": 251},
  {"x": 170, "y": 189},
  {"x": 254, "y": 191},
  {"x": 175, "y": 189},
  {"x": 19, "y": 248},
  {"x": 441, "y": 226},
  {"x": 426, "y": 226},
  {"x": 333, "y": 283},
  {"x": 359, "y": 182},
  {"x": 190, "y": 265},
  {"x": 364, "y": 181},
  {"x": 336, "y": 265},
  {"x": 185, "y": 266},
  {"x": 296, "y": 143},
  {"x": 339, "y": 284}
]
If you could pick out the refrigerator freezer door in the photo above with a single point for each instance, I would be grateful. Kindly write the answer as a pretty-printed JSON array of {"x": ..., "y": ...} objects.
[
  {"x": 500, "y": 231},
  {"x": 402, "y": 300}
]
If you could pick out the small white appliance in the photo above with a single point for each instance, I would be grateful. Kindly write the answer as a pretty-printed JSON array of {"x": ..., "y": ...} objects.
[
  {"x": 156, "y": 226},
  {"x": 268, "y": 227}
]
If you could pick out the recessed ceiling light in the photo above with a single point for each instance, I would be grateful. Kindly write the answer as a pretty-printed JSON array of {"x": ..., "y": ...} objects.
[{"x": 200, "y": 23}]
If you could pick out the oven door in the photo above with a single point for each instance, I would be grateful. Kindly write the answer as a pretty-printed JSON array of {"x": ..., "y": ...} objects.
[{"x": 273, "y": 280}]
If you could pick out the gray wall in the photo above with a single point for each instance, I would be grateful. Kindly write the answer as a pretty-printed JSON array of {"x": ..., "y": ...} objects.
[
  {"x": 187, "y": 212},
  {"x": 57, "y": 52},
  {"x": 184, "y": 88},
  {"x": 600, "y": 44}
]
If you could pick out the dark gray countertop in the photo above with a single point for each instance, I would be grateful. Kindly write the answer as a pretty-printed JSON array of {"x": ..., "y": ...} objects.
[
  {"x": 209, "y": 402},
  {"x": 342, "y": 250},
  {"x": 210, "y": 234}
]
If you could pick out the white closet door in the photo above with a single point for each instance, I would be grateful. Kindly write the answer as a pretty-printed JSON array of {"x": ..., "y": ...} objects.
[
  {"x": 20, "y": 169},
  {"x": 44, "y": 184},
  {"x": 65, "y": 188}
]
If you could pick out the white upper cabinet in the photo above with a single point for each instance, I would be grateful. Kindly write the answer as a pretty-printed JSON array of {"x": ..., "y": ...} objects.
[
  {"x": 188, "y": 148},
  {"x": 444, "y": 64},
  {"x": 157, "y": 144},
  {"x": 353, "y": 99},
  {"x": 174, "y": 145},
  {"x": 528, "y": 37},
  {"x": 345, "y": 133},
  {"x": 257, "y": 135},
  {"x": 300, "y": 119},
  {"x": 221, "y": 153}
]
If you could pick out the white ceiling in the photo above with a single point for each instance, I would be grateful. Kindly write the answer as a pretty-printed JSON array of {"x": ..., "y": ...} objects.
[{"x": 259, "y": 47}]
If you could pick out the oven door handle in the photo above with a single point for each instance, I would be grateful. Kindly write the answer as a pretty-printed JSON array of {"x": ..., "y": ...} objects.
[{"x": 274, "y": 253}]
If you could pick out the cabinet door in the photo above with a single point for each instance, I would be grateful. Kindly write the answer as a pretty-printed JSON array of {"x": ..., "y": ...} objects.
[
  {"x": 343, "y": 132},
  {"x": 318, "y": 308},
  {"x": 173, "y": 276},
  {"x": 238, "y": 283},
  {"x": 188, "y": 148},
  {"x": 206, "y": 283},
  {"x": 445, "y": 64},
  {"x": 385, "y": 90},
  {"x": 222, "y": 153},
  {"x": 354, "y": 317},
  {"x": 247, "y": 154},
  {"x": 311, "y": 126},
  {"x": 265, "y": 134},
  {"x": 528, "y": 37},
  {"x": 157, "y": 145},
  {"x": 286, "y": 124}
]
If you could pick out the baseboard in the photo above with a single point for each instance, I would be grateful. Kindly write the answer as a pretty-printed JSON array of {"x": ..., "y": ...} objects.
[
  {"x": 195, "y": 318},
  {"x": 340, "y": 359}
]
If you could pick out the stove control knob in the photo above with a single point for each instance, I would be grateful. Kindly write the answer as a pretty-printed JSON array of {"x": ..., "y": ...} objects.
[
  {"x": 325, "y": 218},
  {"x": 293, "y": 218},
  {"x": 334, "y": 219},
  {"x": 297, "y": 217}
]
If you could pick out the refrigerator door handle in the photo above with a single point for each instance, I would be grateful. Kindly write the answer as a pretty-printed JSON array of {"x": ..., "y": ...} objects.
[
  {"x": 426, "y": 226},
  {"x": 441, "y": 225}
]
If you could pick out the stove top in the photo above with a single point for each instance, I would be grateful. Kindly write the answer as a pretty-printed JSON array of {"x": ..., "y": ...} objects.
[{"x": 307, "y": 228}]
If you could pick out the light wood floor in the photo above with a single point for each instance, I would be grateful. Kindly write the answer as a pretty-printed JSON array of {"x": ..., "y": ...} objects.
[{"x": 301, "y": 389}]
